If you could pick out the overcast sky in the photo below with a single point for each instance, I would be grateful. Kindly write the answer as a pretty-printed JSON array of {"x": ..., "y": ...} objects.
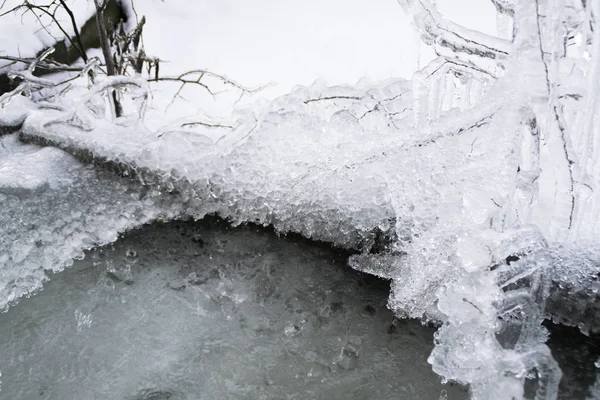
[
  {"x": 287, "y": 42},
  {"x": 296, "y": 41}
]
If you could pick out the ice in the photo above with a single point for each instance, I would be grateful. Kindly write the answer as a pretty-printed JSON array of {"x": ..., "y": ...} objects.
[
  {"x": 214, "y": 313},
  {"x": 14, "y": 112},
  {"x": 474, "y": 188},
  {"x": 450, "y": 201},
  {"x": 54, "y": 207},
  {"x": 267, "y": 168}
]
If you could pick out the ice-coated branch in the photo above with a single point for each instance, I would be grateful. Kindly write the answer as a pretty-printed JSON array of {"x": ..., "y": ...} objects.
[
  {"x": 86, "y": 111},
  {"x": 47, "y": 64},
  {"x": 194, "y": 77},
  {"x": 31, "y": 83},
  {"x": 29, "y": 80},
  {"x": 504, "y": 7},
  {"x": 184, "y": 78},
  {"x": 441, "y": 33}
]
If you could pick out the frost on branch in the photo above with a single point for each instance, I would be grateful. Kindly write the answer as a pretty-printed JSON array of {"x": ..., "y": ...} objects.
[
  {"x": 495, "y": 274},
  {"x": 447, "y": 83},
  {"x": 452, "y": 40},
  {"x": 98, "y": 103}
]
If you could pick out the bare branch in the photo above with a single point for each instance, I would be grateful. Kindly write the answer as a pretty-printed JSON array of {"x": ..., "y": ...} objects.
[
  {"x": 203, "y": 72},
  {"x": 48, "y": 65},
  {"x": 45, "y": 9},
  {"x": 76, "y": 30},
  {"x": 185, "y": 79}
]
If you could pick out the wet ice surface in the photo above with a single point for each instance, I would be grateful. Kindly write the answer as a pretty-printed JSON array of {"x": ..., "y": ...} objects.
[{"x": 201, "y": 311}]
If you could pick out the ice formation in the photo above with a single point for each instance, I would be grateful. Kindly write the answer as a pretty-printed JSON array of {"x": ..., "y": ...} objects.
[
  {"x": 476, "y": 184},
  {"x": 54, "y": 208}
]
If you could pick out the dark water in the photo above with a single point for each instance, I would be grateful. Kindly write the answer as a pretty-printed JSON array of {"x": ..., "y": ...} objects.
[
  {"x": 576, "y": 354},
  {"x": 201, "y": 311}
]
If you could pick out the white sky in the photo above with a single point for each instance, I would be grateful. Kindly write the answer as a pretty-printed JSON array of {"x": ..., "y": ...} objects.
[
  {"x": 287, "y": 42},
  {"x": 296, "y": 41}
]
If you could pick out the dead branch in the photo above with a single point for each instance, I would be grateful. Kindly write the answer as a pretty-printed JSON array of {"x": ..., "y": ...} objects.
[
  {"x": 76, "y": 31},
  {"x": 103, "y": 35}
]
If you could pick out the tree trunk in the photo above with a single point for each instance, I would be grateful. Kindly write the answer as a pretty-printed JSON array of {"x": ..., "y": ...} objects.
[{"x": 106, "y": 52}]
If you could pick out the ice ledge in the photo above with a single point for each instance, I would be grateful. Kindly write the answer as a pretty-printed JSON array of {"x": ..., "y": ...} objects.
[
  {"x": 237, "y": 185},
  {"x": 209, "y": 185}
]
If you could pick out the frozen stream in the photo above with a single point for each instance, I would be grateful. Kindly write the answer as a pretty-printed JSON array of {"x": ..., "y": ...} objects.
[{"x": 201, "y": 311}]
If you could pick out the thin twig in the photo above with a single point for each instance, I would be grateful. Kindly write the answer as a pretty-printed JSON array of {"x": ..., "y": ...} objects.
[
  {"x": 332, "y": 98},
  {"x": 49, "y": 65},
  {"x": 77, "y": 36},
  {"x": 190, "y": 124}
]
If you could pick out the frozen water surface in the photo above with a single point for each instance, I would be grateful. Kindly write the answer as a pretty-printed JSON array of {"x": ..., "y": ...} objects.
[{"x": 201, "y": 311}]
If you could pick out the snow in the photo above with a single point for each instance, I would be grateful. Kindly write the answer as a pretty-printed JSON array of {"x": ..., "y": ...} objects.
[{"x": 14, "y": 114}]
